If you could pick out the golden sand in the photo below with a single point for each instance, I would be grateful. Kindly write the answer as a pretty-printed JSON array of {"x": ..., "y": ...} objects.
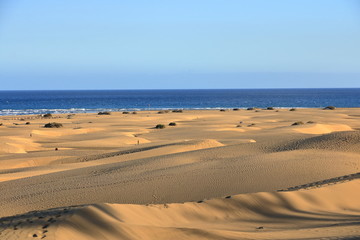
[{"x": 215, "y": 175}]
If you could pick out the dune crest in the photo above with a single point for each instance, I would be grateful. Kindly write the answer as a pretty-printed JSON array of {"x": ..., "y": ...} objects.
[
  {"x": 322, "y": 128},
  {"x": 200, "y": 144},
  {"x": 18, "y": 145},
  {"x": 62, "y": 132},
  {"x": 311, "y": 211},
  {"x": 264, "y": 215},
  {"x": 348, "y": 141}
]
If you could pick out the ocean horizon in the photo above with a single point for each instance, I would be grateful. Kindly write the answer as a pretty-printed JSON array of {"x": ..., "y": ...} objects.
[{"x": 26, "y": 102}]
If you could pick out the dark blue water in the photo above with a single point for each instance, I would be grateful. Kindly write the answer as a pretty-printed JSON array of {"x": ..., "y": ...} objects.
[{"x": 38, "y": 102}]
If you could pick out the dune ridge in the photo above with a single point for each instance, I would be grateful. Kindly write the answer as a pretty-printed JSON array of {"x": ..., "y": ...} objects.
[
  {"x": 347, "y": 141},
  {"x": 263, "y": 215},
  {"x": 323, "y": 128}
]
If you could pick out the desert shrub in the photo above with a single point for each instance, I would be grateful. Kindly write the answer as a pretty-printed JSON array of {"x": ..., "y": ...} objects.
[
  {"x": 70, "y": 116},
  {"x": 292, "y": 109},
  {"x": 270, "y": 108},
  {"x": 310, "y": 122},
  {"x": 177, "y": 111},
  {"x": 125, "y": 112},
  {"x": 251, "y": 125},
  {"x": 239, "y": 125},
  {"x": 236, "y": 109},
  {"x": 1, "y": 124},
  {"x": 160, "y": 126},
  {"x": 250, "y": 108},
  {"x": 104, "y": 113},
  {"x": 134, "y": 112},
  {"x": 27, "y": 123},
  {"x": 163, "y": 111},
  {"x": 329, "y": 108},
  {"x": 22, "y": 119},
  {"x": 47, "y": 115},
  {"x": 172, "y": 124},
  {"x": 222, "y": 110},
  {"x": 257, "y": 110},
  {"x": 297, "y": 123},
  {"x": 53, "y": 125}
]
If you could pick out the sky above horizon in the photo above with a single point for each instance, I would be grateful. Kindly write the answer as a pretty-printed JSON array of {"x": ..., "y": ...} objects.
[{"x": 179, "y": 44}]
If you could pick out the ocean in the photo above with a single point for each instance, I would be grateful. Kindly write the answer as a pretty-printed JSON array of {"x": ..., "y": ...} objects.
[{"x": 82, "y": 101}]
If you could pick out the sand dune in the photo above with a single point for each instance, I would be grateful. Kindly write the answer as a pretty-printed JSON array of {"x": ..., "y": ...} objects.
[
  {"x": 214, "y": 172},
  {"x": 21, "y": 168},
  {"x": 18, "y": 145},
  {"x": 314, "y": 213},
  {"x": 322, "y": 128},
  {"x": 285, "y": 215},
  {"x": 131, "y": 181},
  {"x": 339, "y": 141},
  {"x": 61, "y": 132}
]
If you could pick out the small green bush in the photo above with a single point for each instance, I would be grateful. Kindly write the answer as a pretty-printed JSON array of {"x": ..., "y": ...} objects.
[
  {"x": 125, "y": 112},
  {"x": 53, "y": 125},
  {"x": 297, "y": 123},
  {"x": 163, "y": 111},
  {"x": 270, "y": 108},
  {"x": 236, "y": 109},
  {"x": 134, "y": 112},
  {"x": 329, "y": 108},
  {"x": 292, "y": 109},
  {"x": 27, "y": 123},
  {"x": 172, "y": 124},
  {"x": 104, "y": 113},
  {"x": 160, "y": 126},
  {"x": 310, "y": 122},
  {"x": 250, "y": 108},
  {"x": 222, "y": 110},
  {"x": 47, "y": 115},
  {"x": 177, "y": 111}
]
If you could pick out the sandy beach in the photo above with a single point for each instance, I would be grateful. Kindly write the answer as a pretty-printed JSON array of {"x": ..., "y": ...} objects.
[{"x": 232, "y": 174}]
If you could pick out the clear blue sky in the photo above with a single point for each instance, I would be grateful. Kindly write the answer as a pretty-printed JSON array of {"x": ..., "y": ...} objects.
[{"x": 111, "y": 44}]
